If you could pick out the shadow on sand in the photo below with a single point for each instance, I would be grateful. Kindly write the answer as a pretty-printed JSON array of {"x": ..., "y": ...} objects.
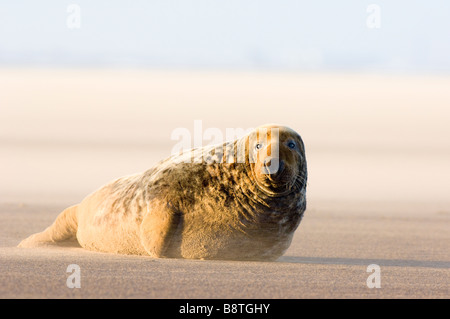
[
  {"x": 318, "y": 260},
  {"x": 365, "y": 262}
]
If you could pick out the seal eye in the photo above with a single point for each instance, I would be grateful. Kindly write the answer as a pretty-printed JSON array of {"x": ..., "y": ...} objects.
[
  {"x": 258, "y": 146},
  {"x": 291, "y": 145}
]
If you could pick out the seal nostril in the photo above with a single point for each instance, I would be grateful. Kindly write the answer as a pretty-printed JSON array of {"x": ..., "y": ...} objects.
[
  {"x": 273, "y": 166},
  {"x": 267, "y": 162}
]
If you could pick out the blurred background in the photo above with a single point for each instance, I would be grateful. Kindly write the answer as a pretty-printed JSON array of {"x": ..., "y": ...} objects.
[
  {"x": 405, "y": 36},
  {"x": 92, "y": 90}
]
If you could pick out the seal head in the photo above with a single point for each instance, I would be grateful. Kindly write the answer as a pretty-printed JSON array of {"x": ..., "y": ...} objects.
[{"x": 277, "y": 159}]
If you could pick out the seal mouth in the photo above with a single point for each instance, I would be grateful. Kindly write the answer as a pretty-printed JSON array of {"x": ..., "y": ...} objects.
[
  {"x": 284, "y": 180},
  {"x": 282, "y": 183},
  {"x": 279, "y": 177},
  {"x": 279, "y": 184}
]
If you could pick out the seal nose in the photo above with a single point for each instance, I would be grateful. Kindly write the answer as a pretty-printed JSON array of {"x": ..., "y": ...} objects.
[{"x": 273, "y": 166}]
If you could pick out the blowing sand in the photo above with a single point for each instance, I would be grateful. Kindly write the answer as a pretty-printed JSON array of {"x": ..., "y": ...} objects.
[{"x": 377, "y": 149}]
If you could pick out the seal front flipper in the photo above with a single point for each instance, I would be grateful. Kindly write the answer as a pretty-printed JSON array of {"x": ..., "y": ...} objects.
[{"x": 160, "y": 231}]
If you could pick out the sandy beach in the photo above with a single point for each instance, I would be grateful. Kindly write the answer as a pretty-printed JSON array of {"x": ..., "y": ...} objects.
[{"x": 379, "y": 177}]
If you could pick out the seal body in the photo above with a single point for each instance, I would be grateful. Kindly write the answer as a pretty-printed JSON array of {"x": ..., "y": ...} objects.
[{"x": 202, "y": 204}]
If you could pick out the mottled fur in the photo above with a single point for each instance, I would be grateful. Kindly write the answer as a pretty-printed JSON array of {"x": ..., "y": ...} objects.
[{"x": 201, "y": 210}]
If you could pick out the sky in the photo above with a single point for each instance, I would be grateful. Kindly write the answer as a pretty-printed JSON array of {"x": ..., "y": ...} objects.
[{"x": 396, "y": 35}]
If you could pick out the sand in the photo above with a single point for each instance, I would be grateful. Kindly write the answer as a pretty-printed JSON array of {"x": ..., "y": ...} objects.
[{"x": 377, "y": 149}]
